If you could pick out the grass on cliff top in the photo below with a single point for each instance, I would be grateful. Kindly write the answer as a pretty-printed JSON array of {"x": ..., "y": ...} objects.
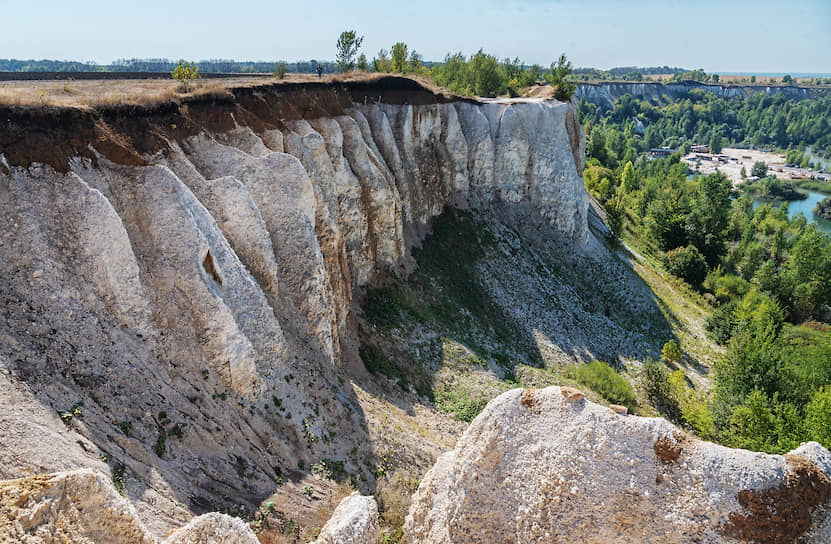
[{"x": 149, "y": 92}]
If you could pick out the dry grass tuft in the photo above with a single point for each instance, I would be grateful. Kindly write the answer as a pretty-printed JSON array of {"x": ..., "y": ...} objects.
[
  {"x": 394, "y": 495},
  {"x": 150, "y": 92}
]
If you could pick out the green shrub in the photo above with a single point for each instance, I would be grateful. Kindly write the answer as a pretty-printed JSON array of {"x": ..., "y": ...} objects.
[
  {"x": 465, "y": 405},
  {"x": 692, "y": 404},
  {"x": 721, "y": 324},
  {"x": 118, "y": 478},
  {"x": 280, "y": 70},
  {"x": 185, "y": 73},
  {"x": 819, "y": 416},
  {"x": 604, "y": 380},
  {"x": 671, "y": 353},
  {"x": 655, "y": 381},
  {"x": 686, "y": 263},
  {"x": 160, "y": 447}
]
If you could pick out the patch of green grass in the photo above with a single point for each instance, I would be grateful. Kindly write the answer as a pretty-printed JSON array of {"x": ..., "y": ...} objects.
[
  {"x": 454, "y": 355},
  {"x": 383, "y": 306},
  {"x": 453, "y": 294},
  {"x": 605, "y": 381},
  {"x": 330, "y": 469},
  {"x": 464, "y": 405},
  {"x": 126, "y": 427},
  {"x": 823, "y": 187}
]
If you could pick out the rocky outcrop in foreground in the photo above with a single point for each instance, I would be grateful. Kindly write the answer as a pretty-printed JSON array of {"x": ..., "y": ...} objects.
[
  {"x": 548, "y": 466},
  {"x": 83, "y": 507}
]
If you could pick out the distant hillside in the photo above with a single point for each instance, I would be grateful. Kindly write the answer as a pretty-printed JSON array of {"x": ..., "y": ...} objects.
[{"x": 605, "y": 94}]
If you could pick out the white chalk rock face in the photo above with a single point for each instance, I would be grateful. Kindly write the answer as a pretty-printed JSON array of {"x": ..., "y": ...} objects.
[
  {"x": 354, "y": 521},
  {"x": 549, "y": 466},
  {"x": 213, "y": 528}
]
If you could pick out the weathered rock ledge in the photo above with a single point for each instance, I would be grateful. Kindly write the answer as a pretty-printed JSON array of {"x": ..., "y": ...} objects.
[
  {"x": 83, "y": 507},
  {"x": 538, "y": 466}
]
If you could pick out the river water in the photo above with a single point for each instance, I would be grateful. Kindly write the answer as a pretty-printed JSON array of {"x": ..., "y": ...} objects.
[{"x": 807, "y": 208}]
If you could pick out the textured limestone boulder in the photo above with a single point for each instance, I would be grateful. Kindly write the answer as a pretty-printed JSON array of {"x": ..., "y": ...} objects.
[
  {"x": 550, "y": 466},
  {"x": 213, "y": 528},
  {"x": 81, "y": 507},
  {"x": 354, "y": 521}
]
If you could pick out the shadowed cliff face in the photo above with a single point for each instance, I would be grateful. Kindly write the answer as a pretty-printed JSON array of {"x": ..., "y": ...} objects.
[{"x": 177, "y": 281}]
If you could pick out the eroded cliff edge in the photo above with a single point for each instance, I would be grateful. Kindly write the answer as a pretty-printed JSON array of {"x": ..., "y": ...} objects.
[{"x": 177, "y": 280}]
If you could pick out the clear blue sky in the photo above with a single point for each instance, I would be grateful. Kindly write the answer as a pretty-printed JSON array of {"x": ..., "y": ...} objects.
[{"x": 719, "y": 36}]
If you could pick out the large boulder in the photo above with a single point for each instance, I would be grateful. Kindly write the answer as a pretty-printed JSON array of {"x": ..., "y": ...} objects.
[
  {"x": 549, "y": 466},
  {"x": 354, "y": 521},
  {"x": 213, "y": 528},
  {"x": 80, "y": 506},
  {"x": 83, "y": 507}
]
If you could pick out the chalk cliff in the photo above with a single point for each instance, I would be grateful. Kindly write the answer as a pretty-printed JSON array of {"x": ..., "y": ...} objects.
[
  {"x": 606, "y": 94},
  {"x": 177, "y": 280}
]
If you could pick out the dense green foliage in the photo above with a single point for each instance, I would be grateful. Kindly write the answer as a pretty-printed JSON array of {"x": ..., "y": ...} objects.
[
  {"x": 756, "y": 120},
  {"x": 773, "y": 188},
  {"x": 687, "y": 263},
  {"x": 764, "y": 272},
  {"x": 823, "y": 209},
  {"x": 483, "y": 74}
]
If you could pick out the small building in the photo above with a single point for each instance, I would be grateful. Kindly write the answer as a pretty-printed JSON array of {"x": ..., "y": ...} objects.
[
  {"x": 700, "y": 148},
  {"x": 661, "y": 151}
]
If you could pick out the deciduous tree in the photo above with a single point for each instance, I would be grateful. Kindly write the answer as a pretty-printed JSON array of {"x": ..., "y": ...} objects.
[{"x": 348, "y": 45}]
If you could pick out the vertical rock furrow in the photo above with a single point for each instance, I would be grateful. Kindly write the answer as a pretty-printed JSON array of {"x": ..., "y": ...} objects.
[
  {"x": 379, "y": 200},
  {"x": 285, "y": 197},
  {"x": 480, "y": 155},
  {"x": 234, "y": 211},
  {"x": 191, "y": 267},
  {"x": 309, "y": 146}
]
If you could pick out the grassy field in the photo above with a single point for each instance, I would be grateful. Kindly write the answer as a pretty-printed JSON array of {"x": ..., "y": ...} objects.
[{"x": 144, "y": 92}]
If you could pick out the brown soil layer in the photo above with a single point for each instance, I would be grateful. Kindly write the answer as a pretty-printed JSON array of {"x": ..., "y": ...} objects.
[
  {"x": 781, "y": 515},
  {"x": 123, "y": 133}
]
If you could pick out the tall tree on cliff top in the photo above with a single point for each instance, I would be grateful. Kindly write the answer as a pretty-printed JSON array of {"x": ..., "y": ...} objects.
[
  {"x": 399, "y": 57},
  {"x": 563, "y": 90},
  {"x": 348, "y": 44}
]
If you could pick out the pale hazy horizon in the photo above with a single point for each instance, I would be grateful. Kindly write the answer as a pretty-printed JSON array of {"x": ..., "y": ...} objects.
[{"x": 761, "y": 37}]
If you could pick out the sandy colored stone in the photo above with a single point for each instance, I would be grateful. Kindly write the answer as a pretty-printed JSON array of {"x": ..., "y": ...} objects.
[
  {"x": 618, "y": 409},
  {"x": 81, "y": 507},
  {"x": 213, "y": 528},
  {"x": 354, "y": 521},
  {"x": 566, "y": 472},
  {"x": 571, "y": 394}
]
